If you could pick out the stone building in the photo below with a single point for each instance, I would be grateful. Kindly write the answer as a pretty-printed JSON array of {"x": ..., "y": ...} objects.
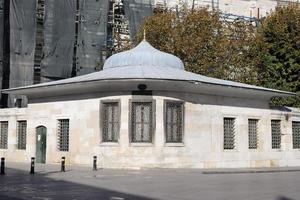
[{"x": 144, "y": 110}]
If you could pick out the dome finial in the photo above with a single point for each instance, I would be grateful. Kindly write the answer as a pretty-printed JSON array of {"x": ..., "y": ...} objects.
[{"x": 144, "y": 34}]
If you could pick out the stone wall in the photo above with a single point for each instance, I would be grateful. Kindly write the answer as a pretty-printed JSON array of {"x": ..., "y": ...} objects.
[{"x": 203, "y": 134}]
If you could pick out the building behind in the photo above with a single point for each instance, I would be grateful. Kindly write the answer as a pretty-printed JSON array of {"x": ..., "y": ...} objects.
[{"x": 46, "y": 40}]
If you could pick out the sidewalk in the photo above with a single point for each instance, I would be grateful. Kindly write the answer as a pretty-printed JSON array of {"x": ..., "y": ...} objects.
[
  {"x": 81, "y": 182},
  {"x": 251, "y": 170},
  {"x": 44, "y": 168}
]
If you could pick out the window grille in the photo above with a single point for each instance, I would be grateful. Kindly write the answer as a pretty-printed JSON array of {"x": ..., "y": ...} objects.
[
  {"x": 3, "y": 135},
  {"x": 111, "y": 121},
  {"x": 252, "y": 133},
  {"x": 296, "y": 135},
  {"x": 63, "y": 134},
  {"x": 229, "y": 133},
  {"x": 22, "y": 125},
  {"x": 174, "y": 122},
  {"x": 276, "y": 134},
  {"x": 141, "y": 122}
]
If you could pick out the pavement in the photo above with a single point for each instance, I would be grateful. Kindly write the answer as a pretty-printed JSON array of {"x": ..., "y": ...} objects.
[{"x": 81, "y": 182}]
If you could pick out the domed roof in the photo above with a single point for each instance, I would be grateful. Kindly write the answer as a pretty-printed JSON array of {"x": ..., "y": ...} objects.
[
  {"x": 143, "y": 55},
  {"x": 124, "y": 71}
]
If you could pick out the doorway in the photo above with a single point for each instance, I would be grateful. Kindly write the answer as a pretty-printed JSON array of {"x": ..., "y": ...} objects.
[{"x": 41, "y": 144}]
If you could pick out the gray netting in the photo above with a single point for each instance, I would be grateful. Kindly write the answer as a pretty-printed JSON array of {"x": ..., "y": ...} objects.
[
  {"x": 136, "y": 11},
  {"x": 22, "y": 43},
  {"x": 59, "y": 35},
  {"x": 91, "y": 35},
  {"x": 1, "y": 41}
]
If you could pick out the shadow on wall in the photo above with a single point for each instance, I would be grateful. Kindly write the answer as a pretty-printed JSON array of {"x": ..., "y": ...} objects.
[
  {"x": 39, "y": 186},
  {"x": 188, "y": 97}
]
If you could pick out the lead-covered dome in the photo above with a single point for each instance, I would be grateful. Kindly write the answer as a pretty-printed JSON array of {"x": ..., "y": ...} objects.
[{"x": 143, "y": 55}]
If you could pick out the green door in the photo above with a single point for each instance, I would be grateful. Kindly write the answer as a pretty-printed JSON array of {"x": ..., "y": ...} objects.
[{"x": 41, "y": 143}]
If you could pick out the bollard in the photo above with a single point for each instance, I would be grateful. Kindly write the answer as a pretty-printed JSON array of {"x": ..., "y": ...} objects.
[
  {"x": 95, "y": 163},
  {"x": 32, "y": 165},
  {"x": 63, "y": 162},
  {"x": 2, "y": 166}
]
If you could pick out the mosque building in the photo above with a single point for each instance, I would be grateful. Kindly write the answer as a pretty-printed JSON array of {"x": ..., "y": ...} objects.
[{"x": 143, "y": 110}]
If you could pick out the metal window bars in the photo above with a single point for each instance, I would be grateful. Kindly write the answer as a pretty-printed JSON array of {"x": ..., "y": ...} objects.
[
  {"x": 63, "y": 134},
  {"x": 296, "y": 134},
  {"x": 22, "y": 126},
  {"x": 141, "y": 122},
  {"x": 229, "y": 133},
  {"x": 3, "y": 135},
  {"x": 111, "y": 121},
  {"x": 276, "y": 134},
  {"x": 252, "y": 133},
  {"x": 174, "y": 122}
]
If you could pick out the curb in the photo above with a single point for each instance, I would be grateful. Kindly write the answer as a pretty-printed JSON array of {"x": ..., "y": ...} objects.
[{"x": 251, "y": 171}]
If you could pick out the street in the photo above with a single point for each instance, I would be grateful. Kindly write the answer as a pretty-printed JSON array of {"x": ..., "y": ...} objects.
[{"x": 80, "y": 182}]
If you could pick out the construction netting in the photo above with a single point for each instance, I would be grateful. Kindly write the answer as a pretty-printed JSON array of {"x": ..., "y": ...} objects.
[
  {"x": 1, "y": 41},
  {"x": 74, "y": 39},
  {"x": 22, "y": 43},
  {"x": 59, "y": 36},
  {"x": 136, "y": 11},
  {"x": 91, "y": 42}
]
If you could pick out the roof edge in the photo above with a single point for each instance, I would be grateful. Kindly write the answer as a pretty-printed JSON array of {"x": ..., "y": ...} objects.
[{"x": 32, "y": 87}]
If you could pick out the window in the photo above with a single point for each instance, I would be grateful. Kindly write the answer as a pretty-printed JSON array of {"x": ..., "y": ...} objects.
[
  {"x": 18, "y": 102},
  {"x": 296, "y": 135},
  {"x": 63, "y": 134},
  {"x": 276, "y": 134},
  {"x": 174, "y": 118},
  {"x": 3, "y": 135},
  {"x": 22, "y": 125},
  {"x": 229, "y": 133},
  {"x": 252, "y": 133},
  {"x": 110, "y": 121},
  {"x": 141, "y": 122}
]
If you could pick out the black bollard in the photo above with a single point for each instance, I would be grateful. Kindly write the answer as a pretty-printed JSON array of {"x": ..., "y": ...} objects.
[
  {"x": 63, "y": 162},
  {"x": 95, "y": 163},
  {"x": 32, "y": 165},
  {"x": 2, "y": 172}
]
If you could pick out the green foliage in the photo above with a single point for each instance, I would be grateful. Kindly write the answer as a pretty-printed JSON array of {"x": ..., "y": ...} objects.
[
  {"x": 204, "y": 43},
  {"x": 278, "y": 40},
  {"x": 268, "y": 56}
]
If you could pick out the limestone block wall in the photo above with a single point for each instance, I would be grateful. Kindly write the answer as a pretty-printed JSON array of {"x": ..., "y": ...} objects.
[{"x": 202, "y": 146}]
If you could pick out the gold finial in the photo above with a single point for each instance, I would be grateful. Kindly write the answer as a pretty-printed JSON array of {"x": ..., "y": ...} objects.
[{"x": 144, "y": 34}]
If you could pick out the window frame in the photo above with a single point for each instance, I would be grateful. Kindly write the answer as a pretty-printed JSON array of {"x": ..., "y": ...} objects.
[
  {"x": 235, "y": 133},
  {"x": 18, "y": 134},
  {"x": 293, "y": 146},
  {"x": 181, "y": 143},
  {"x": 280, "y": 135},
  {"x": 58, "y": 121},
  {"x": 5, "y": 143},
  {"x": 257, "y": 133},
  {"x": 102, "y": 102},
  {"x": 153, "y": 124}
]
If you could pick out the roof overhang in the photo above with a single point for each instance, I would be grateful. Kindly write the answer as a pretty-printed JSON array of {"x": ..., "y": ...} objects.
[{"x": 114, "y": 85}]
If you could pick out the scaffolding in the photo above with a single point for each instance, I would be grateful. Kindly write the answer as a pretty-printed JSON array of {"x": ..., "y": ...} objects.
[
  {"x": 118, "y": 34},
  {"x": 39, "y": 41}
]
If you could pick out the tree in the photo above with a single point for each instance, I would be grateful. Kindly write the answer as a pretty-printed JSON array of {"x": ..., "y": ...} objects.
[
  {"x": 278, "y": 41},
  {"x": 204, "y": 42}
]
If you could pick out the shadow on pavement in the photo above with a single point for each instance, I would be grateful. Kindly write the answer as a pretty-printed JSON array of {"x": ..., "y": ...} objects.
[
  {"x": 18, "y": 184},
  {"x": 283, "y": 198}
]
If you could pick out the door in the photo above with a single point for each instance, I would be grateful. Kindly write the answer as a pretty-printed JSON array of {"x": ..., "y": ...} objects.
[{"x": 41, "y": 144}]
